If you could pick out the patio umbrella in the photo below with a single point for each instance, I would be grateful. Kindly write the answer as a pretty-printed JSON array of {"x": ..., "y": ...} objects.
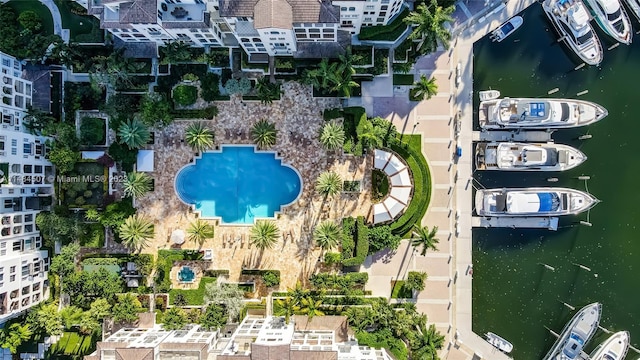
[{"x": 177, "y": 236}]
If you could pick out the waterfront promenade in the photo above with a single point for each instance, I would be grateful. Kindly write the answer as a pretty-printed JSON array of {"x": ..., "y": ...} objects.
[{"x": 445, "y": 122}]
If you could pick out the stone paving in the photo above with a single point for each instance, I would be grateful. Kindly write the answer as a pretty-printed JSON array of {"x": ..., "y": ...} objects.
[{"x": 298, "y": 118}]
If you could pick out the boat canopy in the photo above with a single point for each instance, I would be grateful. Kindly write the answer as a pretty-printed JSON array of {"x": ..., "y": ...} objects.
[{"x": 531, "y": 202}]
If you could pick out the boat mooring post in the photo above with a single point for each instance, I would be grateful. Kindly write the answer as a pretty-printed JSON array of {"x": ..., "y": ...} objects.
[
  {"x": 552, "y": 332},
  {"x": 605, "y": 330},
  {"x": 582, "y": 266},
  {"x": 548, "y": 266},
  {"x": 584, "y": 177},
  {"x": 567, "y": 305},
  {"x": 585, "y": 137},
  {"x": 552, "y": 179},
  {"x": 586, "y": 223},
  {"x": 634, "y": 349}
]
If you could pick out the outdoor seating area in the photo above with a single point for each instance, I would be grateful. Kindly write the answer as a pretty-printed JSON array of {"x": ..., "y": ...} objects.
[
  {"x": 298, "y": 120},
  {"x": 400, "y": 190}
]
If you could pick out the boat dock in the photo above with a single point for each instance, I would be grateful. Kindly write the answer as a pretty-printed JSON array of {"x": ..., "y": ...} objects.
[
  {"x": 550, "y": 223},
  {"x": 524, "y": 136}
]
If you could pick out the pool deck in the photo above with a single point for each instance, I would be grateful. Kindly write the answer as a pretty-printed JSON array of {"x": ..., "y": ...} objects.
[
  {"x": 447, "y": 298},
  {"x": 298, "y": 118}
]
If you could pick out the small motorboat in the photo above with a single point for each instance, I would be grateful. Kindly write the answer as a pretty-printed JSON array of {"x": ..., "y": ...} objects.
[
  {"x": 489, "y": 95},
  {"x": 506, "y": 29},
  {"x": 614, "y": 348},
  {"x": 499, "y": 342}
]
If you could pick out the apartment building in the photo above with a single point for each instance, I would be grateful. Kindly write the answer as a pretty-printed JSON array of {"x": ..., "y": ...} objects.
[
  {"x": 26, "y": 180},
  {"x": 355, "y": 14}
]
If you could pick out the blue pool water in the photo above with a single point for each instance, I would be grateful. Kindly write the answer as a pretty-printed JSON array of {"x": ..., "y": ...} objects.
[
  {"x": 238, "y": 184},
  {"x": 186, "y": 274}
]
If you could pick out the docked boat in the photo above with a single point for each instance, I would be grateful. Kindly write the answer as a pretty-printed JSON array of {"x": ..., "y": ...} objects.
[
  {"x": 499, "y": 342},
  {"x": 614, "y": 348},
  {"x": 576, "y": 334},
  {"x": 571, "y": 20},
  {"x": 634, "y": 5},
  {"x": 525, "y": 113},
  {"x": 612, "y": 19},
  {"x": 488, "y": 94},
  {"x": 532, "y": 202},
  {"x": 506, "y": 29},
  {"x": 509, "y": 156}
]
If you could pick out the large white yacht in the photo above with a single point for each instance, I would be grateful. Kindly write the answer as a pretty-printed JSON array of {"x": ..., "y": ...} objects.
[
  {"x": 614, "y": 348},
  {"x": 525, "y": 113},
  {"x": 576, "y": 334},
  {"x": 509, "y": 156},
  {"x": 547, "y": 201},
  {"x": 571, "y": 19},
  {"x": 634, "y": 5},
  {"x": 612, "y": 18}
]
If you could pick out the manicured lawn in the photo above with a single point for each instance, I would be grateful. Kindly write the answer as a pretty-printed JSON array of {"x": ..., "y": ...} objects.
[
  {"x": 82, "y": 28},
  {"x": 195, "y": 296},
  {"x": 36, "y": 6},
  {"x": 389, "y": 32},
  {"x": 399, "y": 291},
  {"x": 73, "y": 343},
  {"x": 402, "y": 79}
]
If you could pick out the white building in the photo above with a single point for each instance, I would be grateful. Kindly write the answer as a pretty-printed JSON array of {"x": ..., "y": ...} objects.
[
  {"x": 26, "y": 176},
  {"x": 357, "y": 13}
]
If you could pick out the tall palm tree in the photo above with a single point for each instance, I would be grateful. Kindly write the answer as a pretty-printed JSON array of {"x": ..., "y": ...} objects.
[
  {"x": 341, "y": 79},
  {"x": 425, "y": 238},
  {"x": 136, "y": 184},
  {"x": 367, "y": 135},
  {"x": 424, "y": 88},
  {"x": 319, "y": 77},
  {"x": 264, "y": 134},
  {"x": 267, "y": 91},
  {"x": 327, "y": 235},
  {"x": 332, "y": 136},
  {"x": 287, "y": 308},
  {"x": 264, "y": 234},
  {"x": 199, "y": 231},
  {"x": 136, "y": 232},
  {"x": 329, "y": 184},
  {"x": 298, "y": 293},
  {"x": 429, "y": 26},
  {"x": 310, "y": 307},
  {"x": 199, "y": 137},
  {"x": 426, "y": 343},
  {"x": 134, "y": 133}
]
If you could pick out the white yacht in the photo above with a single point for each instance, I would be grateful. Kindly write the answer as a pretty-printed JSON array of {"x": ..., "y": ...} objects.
[
  {"x": 525, "y": 113},
  {"x": 506, "y": 29},
  {"x": 571, "y": 19},
  {"x": 532, "y": 202},
  {"x": 614, "y": 348},
  {"x": 634, "y": 5},
  {"x": 509, "y": 156},
  {"x": 499, "y": 342},
  {"x": 576, "y": 333},
  {"x": 612, "y": 18}
]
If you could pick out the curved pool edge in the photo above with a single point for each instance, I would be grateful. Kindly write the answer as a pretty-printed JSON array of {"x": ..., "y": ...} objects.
[{"x": 220, "y": 149}]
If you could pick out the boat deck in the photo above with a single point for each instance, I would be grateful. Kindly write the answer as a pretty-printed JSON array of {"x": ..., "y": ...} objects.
[
  {"x": 523, "y": 136},
  {"x": 550, "y": 223}
]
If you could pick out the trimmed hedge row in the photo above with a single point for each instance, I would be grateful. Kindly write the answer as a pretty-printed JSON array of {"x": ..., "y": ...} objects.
[
  {"x": 356, "y": 292},
  {"x": 361, "y": 236},
  {"x": 346, "y": 281},
  {"x": 216, "y": 273},
  {"x": 421, "y": 185}
]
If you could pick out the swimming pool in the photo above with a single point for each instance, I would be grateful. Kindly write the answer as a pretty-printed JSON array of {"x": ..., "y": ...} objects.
[{"x": 238, "y": 184}]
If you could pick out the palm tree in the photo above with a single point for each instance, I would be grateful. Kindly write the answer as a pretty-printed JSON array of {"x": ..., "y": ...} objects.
[
  {"x": 424, "y": 88},
  {"x": 341, "y": 78},
  {"x": 329, "y": 184},
  {"x": 425, "y": 238},
  {"x": 327, "y": 235},
  {"x": 134, "y": 133},
  {"x": 368, "y": 137},
  {"x": 174, "y": 52},
  {"x": 264, "y": 234},
  {"x": 199, "y": 137},
  {"x": 136, "y": 184},
  {"x": 332, "y": 135},
  {"x": 287, "y": 308},
  {"x": 199, "y": 231},
  {"x": 298, "y": 293},
  {"x": 267, "y": 91},
  {"x": 429, "y": 26},
  {"x": 14, "y": 336},
  {"x": 264, "y": 134},
  {"x": 319, "y": 77},
  {"x": 310, "y": 307},
  {"x": 136, "y": 232},
  {"x": 426, "y": 343}
]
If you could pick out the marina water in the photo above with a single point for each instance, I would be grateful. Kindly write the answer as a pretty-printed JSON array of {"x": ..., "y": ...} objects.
[{"x": 514, "y": 294}]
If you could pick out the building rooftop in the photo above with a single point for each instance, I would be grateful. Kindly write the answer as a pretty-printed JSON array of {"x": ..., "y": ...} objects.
[
  {"x": 309, "y": 11},
  {"x": 323, "y": 49},
  {"x": 273, "y": 14}
]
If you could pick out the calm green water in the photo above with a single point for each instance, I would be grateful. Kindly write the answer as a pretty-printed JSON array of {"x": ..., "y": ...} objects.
[{"x": 513, "y": 294}]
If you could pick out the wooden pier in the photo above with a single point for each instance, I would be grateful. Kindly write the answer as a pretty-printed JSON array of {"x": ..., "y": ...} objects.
[
  {"x": 523, "y": 136},
  {"x": 550, "y": 223}
]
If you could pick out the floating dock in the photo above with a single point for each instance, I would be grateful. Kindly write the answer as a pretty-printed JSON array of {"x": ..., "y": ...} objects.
[
  {"x": 523, "y": 136},
  {"x": 550, "y": 223}
]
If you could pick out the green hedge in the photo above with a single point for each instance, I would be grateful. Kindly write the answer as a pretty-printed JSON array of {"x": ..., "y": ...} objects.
[
  {"x": 403, "y": 79},
  {"x": 399, "y": 291},
  {"x": 343, "y": 282},
  {"x": 362, "y": 244},
  {"x": 414, "y": 213},
  {"x": 389, "y": 32},
  {"x": 185, "y": 94},
  {"x": 194, "y": 296},
  {"x": 352, "y": 292},
  {"x": 348, "y": 242},
  {"x": 216, "y": 273},
  {"x": 330, "y": 114}
]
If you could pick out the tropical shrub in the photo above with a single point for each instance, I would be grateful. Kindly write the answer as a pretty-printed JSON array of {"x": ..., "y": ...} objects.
[
  {"x": 185, "y": 95},
  {"x": 271, "y": 278}
]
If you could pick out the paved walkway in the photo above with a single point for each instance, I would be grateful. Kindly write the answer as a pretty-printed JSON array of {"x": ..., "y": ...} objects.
[
  {"x": 57, "y": 20},
  {"x": 447, "y": 297}
]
